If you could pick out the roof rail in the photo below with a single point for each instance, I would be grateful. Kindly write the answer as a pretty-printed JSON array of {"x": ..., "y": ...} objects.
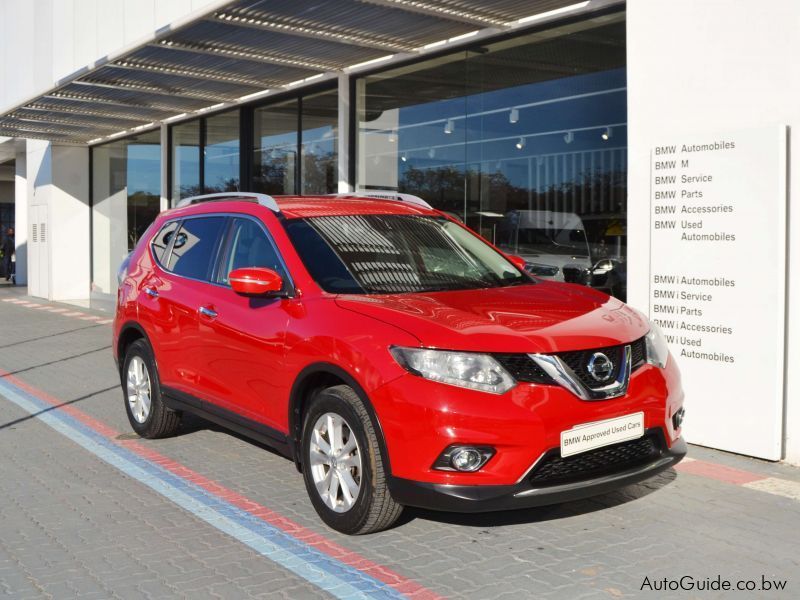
[
  {"x": 385, "y": 195},
  {"x": 392, "y": 195},
  {"x": 263, "y": 199}
]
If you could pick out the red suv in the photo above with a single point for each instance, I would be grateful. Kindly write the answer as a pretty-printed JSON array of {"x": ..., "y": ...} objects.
[{"x": 396, "y": 356}]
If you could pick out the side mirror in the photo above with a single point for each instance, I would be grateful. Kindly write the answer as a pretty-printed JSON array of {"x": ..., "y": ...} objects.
[
  {"x": 517, "y": 261},
  {"x": 255, "y": 281}
]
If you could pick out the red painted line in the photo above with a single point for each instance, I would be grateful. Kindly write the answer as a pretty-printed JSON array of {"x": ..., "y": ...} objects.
[
  {"x": 394, "y": 580},
  {"x": 718, "y": 472}
]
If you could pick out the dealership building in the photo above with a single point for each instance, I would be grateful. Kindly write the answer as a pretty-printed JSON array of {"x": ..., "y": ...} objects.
[{"x": 644, "y": 148}]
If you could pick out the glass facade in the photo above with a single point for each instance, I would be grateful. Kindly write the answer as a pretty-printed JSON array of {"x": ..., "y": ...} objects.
[
  {"x": 221, "y": 153},
  {"x": 126, "y": 197},
  {"x": 205, "y": 155},
  {"x": 275, "y": 136},
  {"x": 320, "y": 119},
  {"x": 524, "y": 139},
  {"x": 294, "y": 149},
  {"x": 185, "y": 159}
]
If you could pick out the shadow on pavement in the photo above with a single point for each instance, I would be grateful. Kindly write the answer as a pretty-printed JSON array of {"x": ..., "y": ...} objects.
[
  {"x": 50, "y": 335},
  {"x": 57, "y": 406},
  {"x": 53, "y": 362}
]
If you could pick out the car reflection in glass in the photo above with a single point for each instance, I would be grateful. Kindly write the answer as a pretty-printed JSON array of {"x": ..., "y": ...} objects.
[{"x": 564, "y": 246}]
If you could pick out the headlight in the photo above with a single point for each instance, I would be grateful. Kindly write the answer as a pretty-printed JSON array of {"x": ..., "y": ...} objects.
[
  {"x": 464, "y": 369},
  {"x": 657, "y": 349}
]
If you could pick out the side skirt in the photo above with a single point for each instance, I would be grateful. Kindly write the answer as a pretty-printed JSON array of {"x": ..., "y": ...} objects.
[{"x": 180, "y": 401}]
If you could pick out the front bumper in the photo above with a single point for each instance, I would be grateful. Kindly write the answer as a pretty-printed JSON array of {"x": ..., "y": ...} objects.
[{"x": 525, "y": 494}]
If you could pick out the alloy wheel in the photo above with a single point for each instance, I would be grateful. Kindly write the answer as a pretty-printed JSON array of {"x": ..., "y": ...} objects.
[
  {"x": 139, "y": 389},
  {"x": 335, "y": 461}
]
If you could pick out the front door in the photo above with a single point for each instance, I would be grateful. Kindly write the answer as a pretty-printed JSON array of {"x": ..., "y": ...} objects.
[{"x": 245, "y": 336}]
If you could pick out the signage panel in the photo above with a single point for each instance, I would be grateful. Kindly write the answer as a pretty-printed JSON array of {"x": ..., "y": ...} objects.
[{"x": 718, "y": 281}]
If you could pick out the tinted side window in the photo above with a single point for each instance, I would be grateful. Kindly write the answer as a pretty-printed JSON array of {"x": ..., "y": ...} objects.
[
  {"x": 161, "y": 241},
  {"x": 195, "y": 247},
  {"x": 250, "y": 247}
]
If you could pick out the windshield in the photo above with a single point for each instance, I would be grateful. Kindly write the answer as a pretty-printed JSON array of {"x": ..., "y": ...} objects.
[{"x": 382, "y": 254}]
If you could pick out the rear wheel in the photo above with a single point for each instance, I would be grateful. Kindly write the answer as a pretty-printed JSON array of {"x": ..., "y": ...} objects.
[
  {"x": 147, "y": 413},
  {"x": 342, "y": 465}
]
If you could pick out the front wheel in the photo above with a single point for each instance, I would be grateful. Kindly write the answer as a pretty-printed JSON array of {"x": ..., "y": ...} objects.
[
  {"x": 342, "y": 465},
  {"x": 147, "y": 413}
]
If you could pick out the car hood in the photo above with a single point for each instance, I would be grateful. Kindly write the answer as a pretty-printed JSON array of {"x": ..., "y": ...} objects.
[{"x": 541, "y": 317}]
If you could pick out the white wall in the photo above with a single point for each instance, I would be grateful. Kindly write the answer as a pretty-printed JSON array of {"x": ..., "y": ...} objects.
[
  {"x": 44, "y": 41},
  {"x": 38, "y": 173},
  {"x": 713, "y": 66},
  {"x": 57, "y": 194},
  {"x": 69, "y": 224}
]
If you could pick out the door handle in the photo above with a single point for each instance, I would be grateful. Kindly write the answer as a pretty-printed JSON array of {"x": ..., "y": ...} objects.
[
  {"x": 151, "y": 291},
  {"x": 207, "y": 312}
]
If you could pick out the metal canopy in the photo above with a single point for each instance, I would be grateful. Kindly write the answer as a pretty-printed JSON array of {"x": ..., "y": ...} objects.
[{"x": 247, "y": 48}]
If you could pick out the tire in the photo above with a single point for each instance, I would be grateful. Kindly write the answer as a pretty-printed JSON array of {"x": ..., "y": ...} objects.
[
  {"x": 157, "y": 420},
  {"x": 372, "y": 508}
]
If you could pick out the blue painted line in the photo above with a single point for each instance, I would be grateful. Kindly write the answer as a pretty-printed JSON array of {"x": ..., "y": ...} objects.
[{"x": 327, "y": 573}]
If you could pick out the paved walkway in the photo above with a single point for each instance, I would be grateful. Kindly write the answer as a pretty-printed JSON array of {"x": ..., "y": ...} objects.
[{"x": 87, "y": 509}]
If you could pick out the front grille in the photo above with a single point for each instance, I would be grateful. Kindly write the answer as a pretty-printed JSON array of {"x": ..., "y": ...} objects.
[
  {"x": 553, "y": 469},
  {"x": 638, "y": 354},
  {"x": 522, "y": 368},
  {"x": 578, "y": 361}
]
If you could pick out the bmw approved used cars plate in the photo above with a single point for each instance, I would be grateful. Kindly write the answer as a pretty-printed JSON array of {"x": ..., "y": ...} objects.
[{"x": 590, "y": 436}]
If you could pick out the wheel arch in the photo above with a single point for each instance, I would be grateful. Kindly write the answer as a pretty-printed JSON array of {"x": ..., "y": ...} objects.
[
  {"x": 316, "y": 377},
  {"x": 129, "y": 333}
]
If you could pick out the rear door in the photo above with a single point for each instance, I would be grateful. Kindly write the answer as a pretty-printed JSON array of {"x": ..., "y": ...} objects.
[
  {"x": 243, "y": 355},
  {"x": 172, "y": 295}
]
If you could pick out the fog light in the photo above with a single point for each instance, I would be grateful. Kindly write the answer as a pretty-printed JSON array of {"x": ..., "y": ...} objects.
[
  {"x": 466, "y": 459},
  {"x": 677, "y": 418}
]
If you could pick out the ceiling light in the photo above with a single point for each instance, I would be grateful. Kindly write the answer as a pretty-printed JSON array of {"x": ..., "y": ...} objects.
[
  {"x": 520, "y": 143},
  {"x": 253, "y": 95},
  {"x": 513, "y": 116},
  {"x": 367, "y": 63},
  {"x": 449, "y": 126},
  {"x": 549, "y": 13},
  {"x": 463, "y": 36},
  {"x": 304, "y": 80},
  {"x": 404, "y": 157},
  {"x": 212, "y": 107},
  {"x": 392, "y": 136},
  {"x": 568, "y": 137},
  {"x": 607, "y": 133},
  {"x": 434, "y": 44}
]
